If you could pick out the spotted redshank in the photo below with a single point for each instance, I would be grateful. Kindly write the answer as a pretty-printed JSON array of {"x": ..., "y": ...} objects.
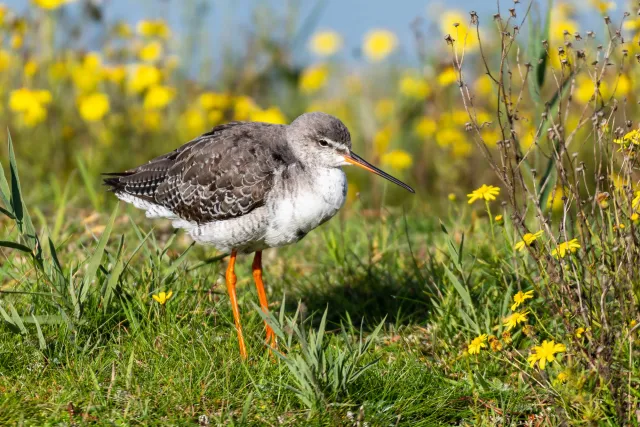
[{"x": 247, "y": 186}]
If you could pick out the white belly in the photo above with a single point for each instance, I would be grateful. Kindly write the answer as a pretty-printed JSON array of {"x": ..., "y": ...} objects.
[{"x": 307, "y": 205}]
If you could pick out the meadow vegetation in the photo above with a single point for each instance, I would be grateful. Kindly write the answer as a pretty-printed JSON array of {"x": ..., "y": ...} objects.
[{"x": 506, "y": 292}]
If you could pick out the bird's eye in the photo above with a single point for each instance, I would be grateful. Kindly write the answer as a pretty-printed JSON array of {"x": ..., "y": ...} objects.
[{"x": 323, "y": 143}]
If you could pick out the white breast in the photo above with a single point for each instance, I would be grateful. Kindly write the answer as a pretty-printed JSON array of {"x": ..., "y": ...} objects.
[{"x": 300, "y": 208}]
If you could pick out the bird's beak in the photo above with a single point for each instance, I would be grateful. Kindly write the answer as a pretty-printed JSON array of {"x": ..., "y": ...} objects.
[{"x": 354, "y": 159}]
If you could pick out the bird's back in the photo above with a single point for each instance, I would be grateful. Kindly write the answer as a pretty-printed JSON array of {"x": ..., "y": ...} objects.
[{"x": 223, "y": 174}]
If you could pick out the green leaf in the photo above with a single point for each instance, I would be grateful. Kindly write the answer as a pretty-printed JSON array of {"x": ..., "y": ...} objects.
[
  {"x": 14, "y": 245},
  {"x": 94, "y": 262},
  {"x": 41, "y": 340},
  {"x": 17, "y": 320},
  {"x": 114, "y": 277}
]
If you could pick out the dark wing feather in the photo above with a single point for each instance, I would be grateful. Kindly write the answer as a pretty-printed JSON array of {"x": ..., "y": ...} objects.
[{"x": 223, "y": 174}]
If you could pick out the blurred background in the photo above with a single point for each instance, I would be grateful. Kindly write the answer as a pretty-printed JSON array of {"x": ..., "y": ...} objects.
[{"x": 83, "y": 82}]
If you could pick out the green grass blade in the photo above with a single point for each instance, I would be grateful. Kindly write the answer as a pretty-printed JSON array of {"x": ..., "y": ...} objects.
[
  {"x": 42, "y": 342},
  {"x": 94, "y": 263},
  {"x": 14, "y": 245},
  {"x": 88, "y": 184},
  {"x": 17, "y": 320}
]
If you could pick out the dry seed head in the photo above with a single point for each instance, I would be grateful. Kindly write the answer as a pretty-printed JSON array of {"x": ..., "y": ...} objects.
[
  {"x": 449, "y": 39},
  {"x": 591, "y": 34},
  {"x": 474, "y": 17},
  {"x": 577, "y": 36},
  {"x": 607, "y": 20},
  {"x": 512, "y": 11}
]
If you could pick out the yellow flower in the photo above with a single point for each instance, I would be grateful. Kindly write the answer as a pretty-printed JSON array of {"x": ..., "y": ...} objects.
[
  {"x": 451, "y": 197},
  {"x": 516, "y": 318},
  {"x": 527, "y": 240},
  {"x": 313, "y": 78},
  {"x": 499, "y": 219},
  {"x": 544, "y": 353},
  {"x": 16, "y": 41},
  {"x": 414, "y": 87},
  {"x": 385, "y": 108},
  {"x": 382, "y": 139},
  {"x": 456, "y": 24},
  {"x": 629, "y": 140},
  {"x": 158, "y": 97},
  {"x": 243, "y": 107},
  {"x": 30, "y": 105},
  {"x": 520, "y": 298},
  {"x": 635, "y": 217},
  {"x": 30, "y": 68},
  {"x": 122, "y": 30},
  {"x": 50, "y": 4},
  {"x": 495, "y": 344},
  {"x": 555, "y": 202},
  {"x": 144, "y": 76},
  {"x": 157, "y": 28},
  {"x": 477, "y": 344},
  {"x": 88, "y": 73},
  {"x": 150, "y": 52},
  {"x": 162, "y": 297},
  {"x": 325, "y": 43},
  {"x": 484, "y": 85},
  {"x": 93, "y": 107},
  {"x": 115, "y": 74},
  {"x": 151, "y": 120},
  {"x": 566, "y": 247},
  {"x": 397, "y": 159},
  {"x": 603, "y": 6},
  {"x": 486, "y": 192},
  {"x": 5, "y": 60},
  {"x": 447, "y": 76},
  {"x": 635, "y": 203},
  {"x": 378, "y": 44},
  {"x": 192, "y": 123},
  {"x": 579, "y": 332},
  {"x": 214, "y": 100},
  {"x": 449, "y": 136},
  {"x": 625, "y": 85},
  {"x": 270, "y": 115},
  {"x": 425, "y": 127}
]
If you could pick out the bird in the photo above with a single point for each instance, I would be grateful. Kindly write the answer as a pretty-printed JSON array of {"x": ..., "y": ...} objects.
[{"x": 244, "y": 187}]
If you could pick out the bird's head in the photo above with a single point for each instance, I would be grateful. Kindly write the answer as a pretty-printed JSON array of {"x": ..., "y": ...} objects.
[{"x": 321, "y": 140}]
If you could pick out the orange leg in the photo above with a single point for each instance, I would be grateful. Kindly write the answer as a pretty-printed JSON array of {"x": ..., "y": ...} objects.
[
  {"x": 230, "y": 277},
  {"x": 262, "y": 296}
]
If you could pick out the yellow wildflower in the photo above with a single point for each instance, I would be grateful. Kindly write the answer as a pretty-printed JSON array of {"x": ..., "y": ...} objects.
[
  {"x": 425, "y": 127},
  {"x": 635, "y": 203},
  {"x": 477, "y": 344},
  {"x": 115, "y": 74},
  {"x": 158, "y": 97},
  {"x": 635, "y": 217},
  {"x": 456, "y": 24},
  {"x": 555, "y": 202},
  {"x": 122, "y": 30},
  {"x": 93, "y": 107},
  {"x": 499, "y": 219},
  {"x": 158, "y": 28},
  {"x": 215, "y": 117},
  {"x": 88, "y": 73},
  {"x": 541, "y": 354},
  {"x": 495, "y": 344},
  {"x": 566, "y": 247},
  {"x": 527, "y": 240},
  {"x": 378, "y": 44},
  {"x": 486, "y": 192},
  {"x": 397, "y": 159},
  {"x": 382, "y": 139},
  {"x": 5, "y": 60},
  {"x": 313, "y": 78},
  {"x": 16, "y": 41},
  {"x": 269, "y": 115},
  {"x": 325, "y": 43},
  {"x": 414, "y": 87},
  {"x": 520, "y": 298},
  {"x": 30, "y": 105},
  {"x": 30, "y": 68},
  {"x": 214, "y": 100},
  {"x": 447, "y": 76},
  {"x": 451, "y": 197},
  {"x": 629, "y": 141},
  {"x": 484, "y": 86},
  {"x": 151, "y": 52},
  {"x": 449, "y": 136},
  {"x": 385, "y": 109},
  {"x": 513, "y": 320},
  {"x": 163, "y": 297},
  {"x": 192, "y": 122},
  {"x": 151, "y": 120},
  {"x": 243, "y": 107},
  {"x": 506, "y": 337},
  {"x": 143, "y": 77},
  {"x": 50, "y": 4},
  {"x": 579, "y": 332}
]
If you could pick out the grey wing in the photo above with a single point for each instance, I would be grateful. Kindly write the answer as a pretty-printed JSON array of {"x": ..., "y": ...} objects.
[{"x": 223, "y": 174}]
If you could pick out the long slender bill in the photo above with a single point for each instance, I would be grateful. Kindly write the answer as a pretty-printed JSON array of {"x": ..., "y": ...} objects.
[{"x": 356, "y": 160}]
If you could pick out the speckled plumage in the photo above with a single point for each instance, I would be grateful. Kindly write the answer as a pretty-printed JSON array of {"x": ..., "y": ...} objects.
[{"x": 244, "y": 185}]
